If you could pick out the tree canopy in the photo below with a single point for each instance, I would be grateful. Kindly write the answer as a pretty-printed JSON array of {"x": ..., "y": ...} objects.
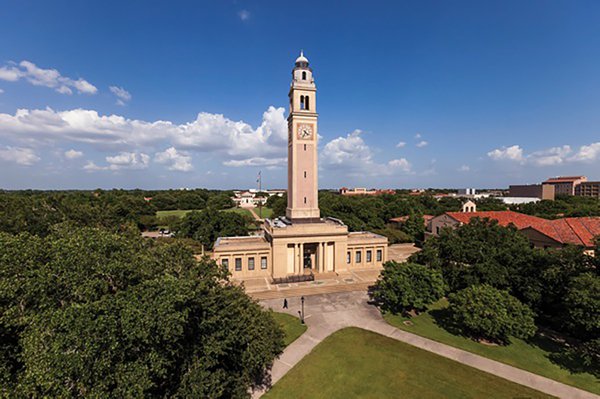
[{"x": 89, "y": 313}]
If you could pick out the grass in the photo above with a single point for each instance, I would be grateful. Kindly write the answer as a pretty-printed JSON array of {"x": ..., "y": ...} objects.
[
  {"x": 266, "y": 212},
  {"x": 291, "y": 326},
  {"x": 532, "y": 355},
  {"x": 354, "y": 363}
]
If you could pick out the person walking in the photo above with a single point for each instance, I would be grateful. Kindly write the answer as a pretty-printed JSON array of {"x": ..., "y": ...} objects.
[{"x": 285, "y": 303}]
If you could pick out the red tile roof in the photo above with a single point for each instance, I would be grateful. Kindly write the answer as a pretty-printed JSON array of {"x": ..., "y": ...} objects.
[{"x": 578, "y": 231}]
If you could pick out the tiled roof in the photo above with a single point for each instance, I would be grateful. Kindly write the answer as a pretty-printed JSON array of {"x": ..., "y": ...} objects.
[{"x": 577, "y": 231}]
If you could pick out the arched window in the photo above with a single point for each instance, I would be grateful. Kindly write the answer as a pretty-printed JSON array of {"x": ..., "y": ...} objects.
[
  {"x": 304, "y": 147},
  {"x": 303, "y": 75},
  {"x": 302, "y": 105},
  {"x": 306, "y": 107}
]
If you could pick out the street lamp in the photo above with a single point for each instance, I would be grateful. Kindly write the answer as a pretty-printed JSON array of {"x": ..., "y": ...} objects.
[{"x": 302, "y": 314}]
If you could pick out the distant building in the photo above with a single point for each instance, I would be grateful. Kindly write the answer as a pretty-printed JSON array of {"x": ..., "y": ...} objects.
[
  {"x": 565, "y": 185},
  {"x": 518, "y": 200},
  {"x": 541, "y": 191},
  {"x": 467, "y": 191},
  {"x": 542, "y": 233},
  {"x": 588, "y": 189},
  {"x": 364, "y": 191},
  {"x": 252, "y": 199},
  {"x": 400, "y": 220},
  {"x": 468, "y": 206}
]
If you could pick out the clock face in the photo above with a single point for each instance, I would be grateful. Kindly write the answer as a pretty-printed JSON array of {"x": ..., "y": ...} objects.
[{"x": 305, "y": 132}]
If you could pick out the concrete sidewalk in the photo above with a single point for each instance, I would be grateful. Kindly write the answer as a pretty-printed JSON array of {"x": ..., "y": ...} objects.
[{"x": 328, "y": 313}]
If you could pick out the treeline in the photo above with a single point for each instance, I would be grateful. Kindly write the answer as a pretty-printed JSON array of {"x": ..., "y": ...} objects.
[
  {"x": 373, "y": 213},
  {"x": 37, "y": 211},
  {"x": 562, "y": 206}
]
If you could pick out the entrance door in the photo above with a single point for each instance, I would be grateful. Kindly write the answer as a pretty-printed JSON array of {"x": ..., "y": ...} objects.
[{"x": 307, "y": 260}]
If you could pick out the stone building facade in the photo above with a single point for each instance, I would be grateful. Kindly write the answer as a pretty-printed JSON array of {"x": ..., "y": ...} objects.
[{"x": 302, "y": 242}]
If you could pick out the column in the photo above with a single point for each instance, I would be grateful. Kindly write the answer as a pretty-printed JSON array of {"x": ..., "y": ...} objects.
[
  {"x": 324, "y": 257},
  {"x": 301, "y": 264},
  {"x": 297, "y": 258},
  {"x": 320, "y": 257}
]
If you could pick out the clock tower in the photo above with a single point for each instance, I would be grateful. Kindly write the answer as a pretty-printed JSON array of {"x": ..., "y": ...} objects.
[{"x": 303, "y": 199}]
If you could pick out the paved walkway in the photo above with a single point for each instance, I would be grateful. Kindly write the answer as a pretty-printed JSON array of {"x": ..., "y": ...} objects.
[{"x": 328, "y": 313}]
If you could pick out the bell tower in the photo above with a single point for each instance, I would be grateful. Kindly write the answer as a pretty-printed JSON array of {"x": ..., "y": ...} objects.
[{"x": 303, "y": 199}]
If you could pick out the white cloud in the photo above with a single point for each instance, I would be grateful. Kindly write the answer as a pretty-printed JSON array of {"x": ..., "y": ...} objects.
[
  {"x": 209, "y": 133},
  {"x": 549, "y": 157},
  {"x": 46, "y": 77},
  {"x": 587, "y": 153},
  {"x": 512, "y": 153},
  {"x": 417, "y": 136},
  {"x": 401, "y": 164},
  {"x": 19, "y": 155},
  {"x": 123, "y": 96},
  {"x": 401, "y": 144},
  {"x": 1, "y": 91},
  {"x": 422, "y": 143},
  {"x": 73, "y": 154},
  {"x": 464, "y": 168},
  {"x": 244, "y": 15},
  {"x": 122, "y": 160},
  {"x": 257, "y": 161},
  {"x": 177, "y": 160},
  {"x": 353, "y": 156}
]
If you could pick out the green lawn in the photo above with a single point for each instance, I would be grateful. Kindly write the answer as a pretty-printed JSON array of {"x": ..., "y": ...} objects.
[
  {"x": 177, "y": 212},
  {"x": 531, "y": 356},
  {"x": 291, "y": 326},
  {"x": 354, "y": 363}
]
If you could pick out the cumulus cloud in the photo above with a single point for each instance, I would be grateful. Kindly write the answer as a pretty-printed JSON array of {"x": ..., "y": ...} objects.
[
  {"x": 512, "y": 153},
  {"x": 177, "y": 160},
  {"x": 18, "y": 155},
  {"x": 587, "y": 153},
  {"x": 1, "y": 91},
  {"x": 122, "y": 160},
  {"x": 73, "y": 154},
  {"x": 123, "y": 96},
  {"x": 352, "y": 155},
  {"x": 45, "y": 77},
  {"x": 257, "y": 161},
  {"x": 417, "y": 136},
  {"x": 464, "y": 168},
  {"x": 547, "y": 157},
  {"x": 209, "y": 133},
  {"x": 401, "y": 144},
  {"x": 244, "y": 15},
  {"x": 422, "y": 143}
]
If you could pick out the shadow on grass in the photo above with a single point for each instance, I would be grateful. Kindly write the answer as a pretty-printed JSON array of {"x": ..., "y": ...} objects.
[{"x": 443, "y": 319}]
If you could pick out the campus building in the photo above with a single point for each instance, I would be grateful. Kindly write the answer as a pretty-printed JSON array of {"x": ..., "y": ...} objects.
[
  {"x": 301, "y": 243},
  {"x": 565, "y": 185},
  {"x": 588, "y": 189}
]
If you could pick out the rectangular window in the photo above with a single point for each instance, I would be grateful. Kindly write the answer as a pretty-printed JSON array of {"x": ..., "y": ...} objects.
[
  {"x": 379, "y": 255},
  {"x": 304, "y": 147},
  {"x": 250, "y": 263},
  {"x": 369, "y": 256},
  {"x": 305, "y": 200},
  {"x": 348, "y": 257},
  {"x": 263, "y": 262},
  {"x": 225, "y": 263},
  {"x": 358, "y": 256},
  {"x": 305, "y": 174},
  {"x": 238, "y": 264}
]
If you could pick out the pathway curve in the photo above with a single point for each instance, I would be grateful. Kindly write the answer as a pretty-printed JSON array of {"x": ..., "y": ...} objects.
[{"x": 328, "y": 313}]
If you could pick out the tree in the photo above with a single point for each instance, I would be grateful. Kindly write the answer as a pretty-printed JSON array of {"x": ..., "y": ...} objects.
[
  {"x": 481, "y": 252},
  {"x": 414, "y": 227},
  {"x": 207, "y": 225},
  {"x": 96, "y": 314},
  {"x": 482, "y": 311},
  {"x": 277, "y": 204},
  {"x": 582, "y": 304},
  {"x": 408, "y": 286},
  {"x": 220, "y": 201}
]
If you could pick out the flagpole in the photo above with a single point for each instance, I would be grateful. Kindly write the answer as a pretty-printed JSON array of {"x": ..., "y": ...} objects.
[{"x": 260, "y": 193}]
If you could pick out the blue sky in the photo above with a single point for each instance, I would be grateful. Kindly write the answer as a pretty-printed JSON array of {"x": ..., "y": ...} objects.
[{"x": 193, "y": 94}]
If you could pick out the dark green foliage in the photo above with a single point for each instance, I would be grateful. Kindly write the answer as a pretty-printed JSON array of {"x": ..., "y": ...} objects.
[
  {"x": 407, "y": 286},
  {"x": 582, "y": 304},
  {"x": 562, "y": 206},
  {"x": 207, "y": 225},
  {"x": 277, "y": 204},
  {"x": 414, "y": 227},
  {"x": 482, "y": 311},
  {"x": 481, "y": 252},
  {"x": 220, "y": 201},
  {"x": 87, "y": 313}
]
